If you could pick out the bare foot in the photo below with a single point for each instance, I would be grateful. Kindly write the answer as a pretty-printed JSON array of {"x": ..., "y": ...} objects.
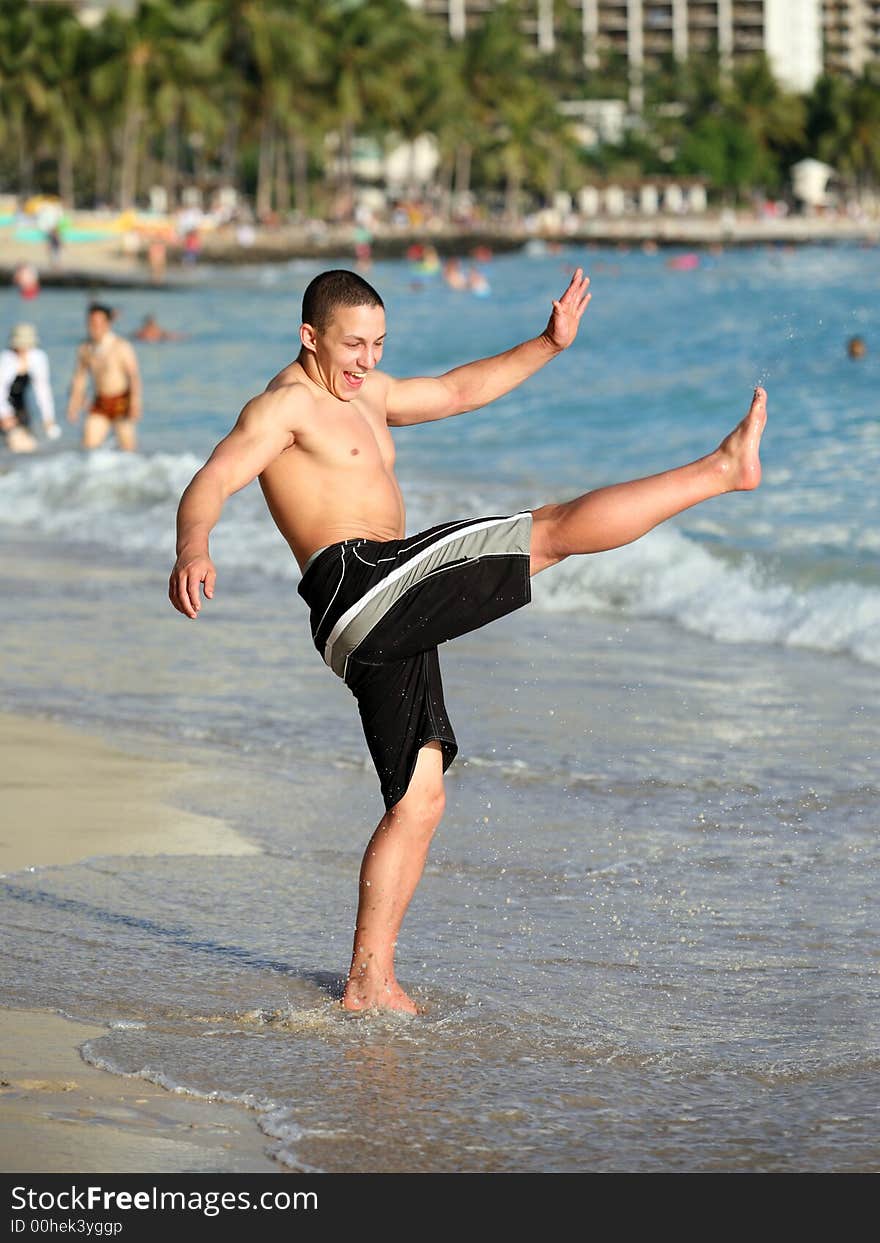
[
  {"x": 372, "y": 993},
  {"x": 738, "y": 452}
]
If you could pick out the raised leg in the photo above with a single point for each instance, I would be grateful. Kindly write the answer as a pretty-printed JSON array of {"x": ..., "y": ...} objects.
[
  {"x": 617, "y": 515},
  {"x": 391, "y": 870}
]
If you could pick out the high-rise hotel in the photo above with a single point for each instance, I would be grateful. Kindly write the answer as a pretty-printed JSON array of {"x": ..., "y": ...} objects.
[{"x": 800, "y": 37}]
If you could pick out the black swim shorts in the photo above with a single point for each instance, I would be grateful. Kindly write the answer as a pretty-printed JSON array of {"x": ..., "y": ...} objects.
[{"x": 379, "y": 610}]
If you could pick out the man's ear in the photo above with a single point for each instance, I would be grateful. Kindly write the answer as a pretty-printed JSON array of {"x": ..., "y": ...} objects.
[{"x": 309, "y": 337}]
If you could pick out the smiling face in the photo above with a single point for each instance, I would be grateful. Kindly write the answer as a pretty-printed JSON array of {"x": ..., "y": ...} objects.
[{"x": 340, "y": 356}]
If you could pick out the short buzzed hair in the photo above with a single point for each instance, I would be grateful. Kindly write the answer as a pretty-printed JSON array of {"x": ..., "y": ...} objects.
[
  {"x": 100, "y": 308},
  {"x": 332, "y": 289}
]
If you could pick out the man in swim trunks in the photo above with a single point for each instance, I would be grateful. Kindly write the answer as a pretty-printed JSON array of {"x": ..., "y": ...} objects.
[
  {"x": 318, "y": 439},
  {"x": 112, "y": 364}
]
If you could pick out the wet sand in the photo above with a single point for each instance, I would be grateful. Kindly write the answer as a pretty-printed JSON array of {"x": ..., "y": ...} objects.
[
  {"x": 67, "y": 796},
  {"x": 61, "y": 1116}
]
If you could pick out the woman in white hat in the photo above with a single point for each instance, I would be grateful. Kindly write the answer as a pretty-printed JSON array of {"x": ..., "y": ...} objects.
[{"x": 24, "y": 379}]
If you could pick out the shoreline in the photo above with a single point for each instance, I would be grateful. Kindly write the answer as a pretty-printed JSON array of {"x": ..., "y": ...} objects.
[
  {"x": 60, "y": 1115},
  {"x": 93, "y": 264},
  {"x": 70, "y": 796}
]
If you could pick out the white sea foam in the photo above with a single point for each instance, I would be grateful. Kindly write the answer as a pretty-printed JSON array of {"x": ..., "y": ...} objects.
[
  {"x": 128, "y": 502},
  {"x": 668, "y": 575}
]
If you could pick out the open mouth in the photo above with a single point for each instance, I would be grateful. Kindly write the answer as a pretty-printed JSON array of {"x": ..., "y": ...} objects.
[{"x": 354, "y": 378}]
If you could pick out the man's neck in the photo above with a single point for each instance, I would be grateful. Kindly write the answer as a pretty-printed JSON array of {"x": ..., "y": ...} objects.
[{"x": 306, "y": 361}]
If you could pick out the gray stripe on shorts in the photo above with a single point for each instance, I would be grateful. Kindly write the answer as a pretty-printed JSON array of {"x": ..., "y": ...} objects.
[{"x": 487, "y": 538}]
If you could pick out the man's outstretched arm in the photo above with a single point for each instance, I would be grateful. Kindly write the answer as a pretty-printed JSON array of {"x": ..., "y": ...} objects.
[
  {"x": 261, "y": 433},
  {"x": 476, "y": 384}
]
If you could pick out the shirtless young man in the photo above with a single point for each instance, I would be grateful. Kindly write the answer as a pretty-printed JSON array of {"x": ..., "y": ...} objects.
[
  {"x": 112, "y": 364},
  {"x": 318, "y": 440}
]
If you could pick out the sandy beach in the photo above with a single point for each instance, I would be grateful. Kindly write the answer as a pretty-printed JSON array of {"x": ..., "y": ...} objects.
[
  {"x": 67, "y": 797},
  {"x": 93, "y": 262}
]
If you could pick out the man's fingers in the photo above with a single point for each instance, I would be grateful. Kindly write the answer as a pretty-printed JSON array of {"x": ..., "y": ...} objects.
[
  {"x": 181, "y": 591},
  {"x": 193, "y": 583},
  {"x": 183, "y": 594},
  {"x": 577, "y": 286},
  {"x": 185, "y": 586},
  {"x": 575, "y": 280},
  {"x": 177, "y": 595}
]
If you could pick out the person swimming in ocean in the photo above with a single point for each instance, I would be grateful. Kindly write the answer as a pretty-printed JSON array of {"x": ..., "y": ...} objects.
[
  {"x": 151, "y": 330},
  {"x": 318, "y": 439}
]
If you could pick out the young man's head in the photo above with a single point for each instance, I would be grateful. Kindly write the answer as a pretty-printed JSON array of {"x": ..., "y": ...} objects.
[
  {"x": 98, "y": 319},
  {"x": 343, "y": 331}
]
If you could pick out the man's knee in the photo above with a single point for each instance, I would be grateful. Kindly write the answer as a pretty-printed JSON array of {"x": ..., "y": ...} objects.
[
  {"x": 421, "y": 808},
  {"x": 547, "y": 546}
]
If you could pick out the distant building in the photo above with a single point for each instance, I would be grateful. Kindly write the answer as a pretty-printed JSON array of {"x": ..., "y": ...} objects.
[
  {"x": 646, "y": 33},
  {"x": 851, "y": 33}
]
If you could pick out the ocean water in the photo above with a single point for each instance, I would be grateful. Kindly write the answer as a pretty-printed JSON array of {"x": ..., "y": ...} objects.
[{"x": 647, "y": 934}]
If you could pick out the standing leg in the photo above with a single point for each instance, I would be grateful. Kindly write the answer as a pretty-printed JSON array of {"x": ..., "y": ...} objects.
[
  {"x": 391, "y": 870},
  {"x": 126, "y": 434},
  {"x": 95, "y": 429},
  {"x": 611, "y": 517}
]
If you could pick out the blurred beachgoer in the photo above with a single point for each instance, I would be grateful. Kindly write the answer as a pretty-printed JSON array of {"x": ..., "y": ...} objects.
[
  {"x": 25, "y": 384},
  {"x": 430, "y": 261},
  {"x": 27, "y": 279},
  {"x": 856, "y": 347},
  {"x": 363, "y": 248},
  {"x": 53, "y": 243},
  {"x": 245, "y": 234},
  {"x": 318, "y": 438},
  {"x": 477, "y": 283},
  {"x": 112, "y": 364},
  {"x": 192, "y": 247},
  {"x": 453, "y": 274},
  {"x": 684, "y": 263},
  {"x": 152, "y": 330},
  {"x": 157, "y": 258}
]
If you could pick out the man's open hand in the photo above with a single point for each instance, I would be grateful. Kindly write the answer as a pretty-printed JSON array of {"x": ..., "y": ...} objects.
[
  {"x": 567, "y": 311},
  {"x": 186, "y": 578}
]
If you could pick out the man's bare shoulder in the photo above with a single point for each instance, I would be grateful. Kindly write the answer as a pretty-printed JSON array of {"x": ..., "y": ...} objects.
[
  {"x": 380, "y": 380},
  {"x": 376, "y": 391},
  {"x": 124, "y": 350},
  {"x": 288, "y": 377},
  {"x": 290, "y": 403}
]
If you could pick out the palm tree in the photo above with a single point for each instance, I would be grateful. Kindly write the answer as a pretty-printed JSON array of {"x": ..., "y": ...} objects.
[
  {"x": 288, "y": 49},
  {"x": 864, "y": 156},
  {"x": 376, "y": 53},
  {"x": 521, "y": 135},
  {"x": 843, "y": 125},
  {"x": 773, "y": 117},
  {"x": 153, "y": 66},
  {"x": 23, "y": 94},
  {"x": 50, "y": 69}
]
